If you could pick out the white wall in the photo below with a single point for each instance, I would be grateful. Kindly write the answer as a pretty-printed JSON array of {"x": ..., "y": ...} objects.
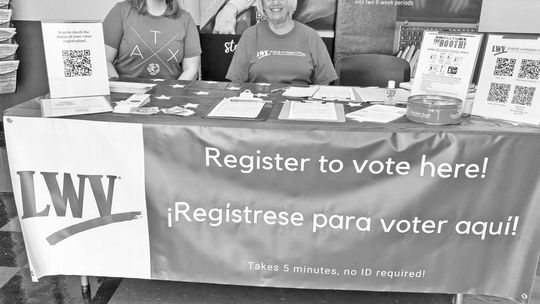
[
  {"x": 77, "y": 9},
  {"x": 510, "y": 16}
]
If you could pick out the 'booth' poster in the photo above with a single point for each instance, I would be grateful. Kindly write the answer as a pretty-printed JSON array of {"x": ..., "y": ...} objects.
[{"x": 446, "y": 64}]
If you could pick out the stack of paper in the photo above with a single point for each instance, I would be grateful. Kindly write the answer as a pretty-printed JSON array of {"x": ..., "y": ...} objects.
[
  {"x": 377, "y": 113},
  {"x": 130, "y": 87},
  {"x": 312, "y": 111},
  {"x": 375, "y": 95},
  {"x": 239, "y": 109},
  {"x": 406, "y": 85},
  {"x": 74, "y": 106},
  {"x": 300, "y": 91},
  {"x": 335, "y": 93},
  {"x": 133, "y": 102}
]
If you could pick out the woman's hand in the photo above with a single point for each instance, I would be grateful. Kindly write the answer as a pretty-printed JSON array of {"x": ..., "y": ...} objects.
[{"x": 190, "y": 68}]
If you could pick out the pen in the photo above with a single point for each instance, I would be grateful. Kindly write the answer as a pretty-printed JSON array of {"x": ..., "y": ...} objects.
[
  {"x": 311, "y": 100},
  {"x": 249, "y": 100},
  {"x": 279, "y": 89}
]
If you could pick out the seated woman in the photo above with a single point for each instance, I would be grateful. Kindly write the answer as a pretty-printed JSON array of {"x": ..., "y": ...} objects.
[
  {"x": 281, "y": 50},
  {"x": 151, "y": 39}
]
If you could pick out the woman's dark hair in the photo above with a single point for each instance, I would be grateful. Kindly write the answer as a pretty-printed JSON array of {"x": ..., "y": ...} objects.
[{"x": 140, "y": 7}]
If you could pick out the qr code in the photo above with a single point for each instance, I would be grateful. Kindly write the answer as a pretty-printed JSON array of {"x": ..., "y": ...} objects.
[
  {"x": 498, "y": 92},
  {"x": 530, "y": 69},
  {"x": 504, "y": 67},
  {"x": 77, "y": 63},
  {"x": 523, "y": 95}
]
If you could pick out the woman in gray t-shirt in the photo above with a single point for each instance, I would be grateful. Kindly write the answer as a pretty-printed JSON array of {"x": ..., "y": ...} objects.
[
  {"x": 151, "y": 39},
  {"x": 281, "y": 50}
]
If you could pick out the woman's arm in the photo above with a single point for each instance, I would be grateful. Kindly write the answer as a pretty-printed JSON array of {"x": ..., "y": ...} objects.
[
  {"x": 112, "y": 34},
  {"x": 110, "y": 53},
  {"x": 190, "y": 68},
  {"x": 323, "y": 72}
]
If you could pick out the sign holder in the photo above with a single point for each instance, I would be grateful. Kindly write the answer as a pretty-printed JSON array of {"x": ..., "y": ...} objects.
[
  {"x": 75, "y": 58},
  {"x": 509, "y": 83},
  {"x": 446, "y": 64}
]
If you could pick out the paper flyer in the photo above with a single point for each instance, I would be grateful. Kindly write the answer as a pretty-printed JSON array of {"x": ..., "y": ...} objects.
[
  {"x": 74, "y": 106},
  {"x": 509, "y": 82},
  {"x": 312, "y": 111},
  {"x": 240, "y": 109},
  {"x": 446, "y": 64},
  {"x": 377, "y": 113},
  {"x": 75, "y": 58}
]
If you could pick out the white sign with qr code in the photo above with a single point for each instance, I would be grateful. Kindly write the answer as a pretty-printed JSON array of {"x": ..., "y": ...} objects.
[
  {"x": 509, "y": 84},
  {"x": 75, "y": 58}
]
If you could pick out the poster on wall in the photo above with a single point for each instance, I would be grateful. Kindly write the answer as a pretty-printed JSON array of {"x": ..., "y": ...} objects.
[
  {"x": 75, "y": 58},
  {"x": 235, "y": 16},
  {"x": 391, "y": 26},
  {"x": 509, "y": 84},
  {"x": 446, "y": 64}
]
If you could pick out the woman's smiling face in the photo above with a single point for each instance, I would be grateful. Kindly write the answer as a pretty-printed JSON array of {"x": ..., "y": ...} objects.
[{"x": 276, "y": 11}]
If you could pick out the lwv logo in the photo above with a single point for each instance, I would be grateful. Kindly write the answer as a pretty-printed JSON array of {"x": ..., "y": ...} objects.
[
  {"x": 498, "y": 49},
  {"x": 62, "y": 198}
]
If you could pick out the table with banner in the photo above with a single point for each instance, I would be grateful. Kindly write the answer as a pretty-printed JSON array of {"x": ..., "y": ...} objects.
[{"x": 402, "y": 206}]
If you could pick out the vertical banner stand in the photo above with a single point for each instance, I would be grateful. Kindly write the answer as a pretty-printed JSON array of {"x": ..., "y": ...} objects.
[
  {"x": 458, "y": 299},
  {"x": 85, "y": 290}
]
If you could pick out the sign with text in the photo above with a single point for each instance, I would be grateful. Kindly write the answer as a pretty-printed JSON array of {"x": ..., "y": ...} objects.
[
  {"x": 396, "y": 26},
  {"x": 381, "y": 211},
  {"x": 355, "y": 213},
  {"x": 446, "y": 64},
  {"x": 509, "y": 85},
  {"x": 80, "y": 197},
  {"x": 75, "y": 59}
]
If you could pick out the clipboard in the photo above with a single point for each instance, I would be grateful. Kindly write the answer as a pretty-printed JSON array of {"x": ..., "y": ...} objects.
[
  {"x": 286, "y": 109},
  {"x": 246, "y": 98},
  {"x": 263, "y": 114},
  {"x": 335, "y": 94}
]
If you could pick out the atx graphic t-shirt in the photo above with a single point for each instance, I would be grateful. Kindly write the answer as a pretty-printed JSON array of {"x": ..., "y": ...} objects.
[
  {"x": 150, "y": 46},
  {"x": 298, "y": 57}
]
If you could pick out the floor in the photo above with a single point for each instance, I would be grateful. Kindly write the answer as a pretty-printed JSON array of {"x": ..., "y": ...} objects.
[{"x": 17, "y": 287}]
